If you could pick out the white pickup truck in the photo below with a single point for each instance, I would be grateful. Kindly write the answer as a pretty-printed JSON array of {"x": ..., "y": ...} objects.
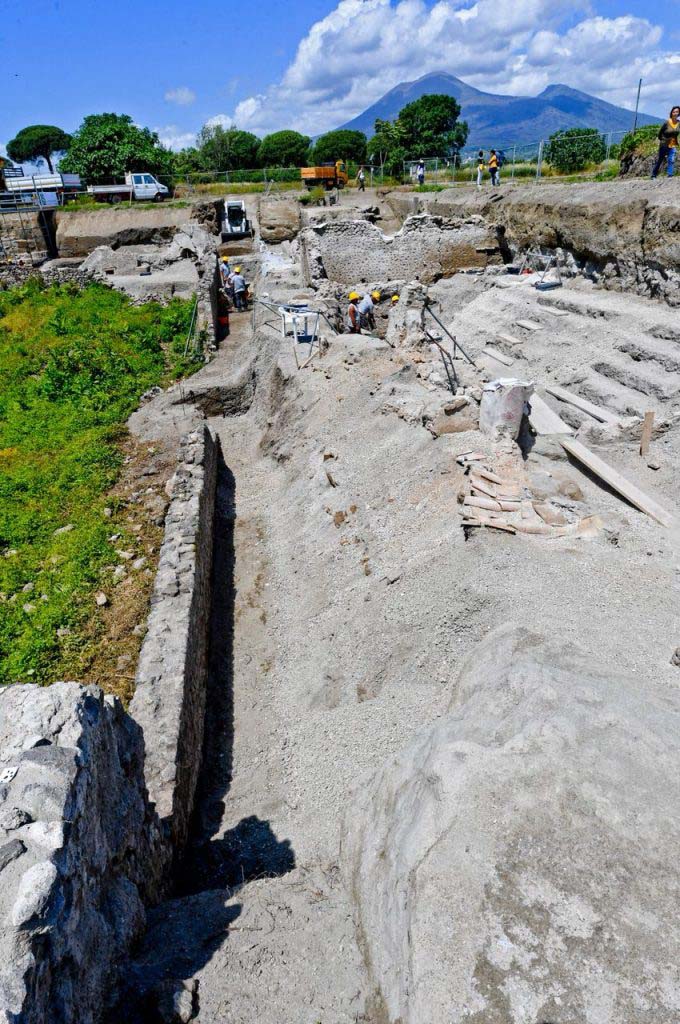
[{"x": 137, "y": 186}]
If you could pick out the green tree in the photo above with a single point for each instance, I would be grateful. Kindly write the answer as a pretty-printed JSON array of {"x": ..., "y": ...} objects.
[
  {"x": 387, "y": 146},
  {"x": 343, "y": 144},
  {"x": 109, "y": 145},
  {"x": 187, "y": 161},
  {"x": 573, "y": 149},
  {"x": 431, "y": 126},
  {"x": 283, "y": 149},
  {"x": 227, "y": 149},
  {"x": 38, "y": 140}
]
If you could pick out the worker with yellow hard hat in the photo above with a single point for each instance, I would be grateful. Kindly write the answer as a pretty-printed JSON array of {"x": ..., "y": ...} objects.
[
  {"x": 353, "y": 324},
  {"x": 395, "y": 299},
  {"x": 366, "y": 310},
  {"x": 240, "y": 289}
]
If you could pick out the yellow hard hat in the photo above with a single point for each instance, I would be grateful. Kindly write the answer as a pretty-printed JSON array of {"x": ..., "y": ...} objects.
[
  {"x": 238, "y": 270},
  {"x": 353, "y": 296},
  {"x": 395, "y": 298},
  {"x": 225, "y": 259},
  {"x": 375, "y": 295}
]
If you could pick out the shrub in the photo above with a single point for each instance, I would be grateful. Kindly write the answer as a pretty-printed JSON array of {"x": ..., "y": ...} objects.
[{"x": 572, "y": 150}]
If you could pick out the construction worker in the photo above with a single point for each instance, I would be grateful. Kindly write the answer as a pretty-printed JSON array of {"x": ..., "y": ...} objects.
[
  {"x": 240, "y": 289},
  {"x": 361, "y": 180},
  {"x": 395, "y": 300},
  {"x": 493, "y": 167},
  {"x": 421, "y": 172},
  {"x": 481, "y": 167},
  {"x": 353, "y": 325},
  {"x": 225, "y": 277},
  {"x": 668, "y": 137},
  {"x": 366, "y": 310}
]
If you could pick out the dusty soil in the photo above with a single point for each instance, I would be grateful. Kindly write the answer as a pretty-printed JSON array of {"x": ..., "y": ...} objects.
[{"x": 347, "y": 597}]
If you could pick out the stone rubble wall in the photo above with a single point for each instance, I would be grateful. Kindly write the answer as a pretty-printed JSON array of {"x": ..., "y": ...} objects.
[
  {"x": 624, "y": 235},
  {"x": 170, "y": 694},
  {"x": 426, "y": 248},
  {"x": 95, "y": 802},
  {"x": 81, "y": 850}
]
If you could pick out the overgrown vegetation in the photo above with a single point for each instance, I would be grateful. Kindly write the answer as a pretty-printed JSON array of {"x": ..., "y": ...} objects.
[
  {"x": 574, "y": 149},
  {"x": 73, "y": 365},
  {"x": 643, "y": 142}
]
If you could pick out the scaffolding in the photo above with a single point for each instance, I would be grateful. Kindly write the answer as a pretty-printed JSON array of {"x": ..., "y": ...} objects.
[{"x": 24, "y": 231}]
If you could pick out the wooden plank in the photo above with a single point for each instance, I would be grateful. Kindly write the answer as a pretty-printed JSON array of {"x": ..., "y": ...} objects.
[
  {"x": 529, "y": 325},
  {"x": 554, "y": 311},
  {"x": 544, "y": 420},
  {"x": 617, "y": 482},
  {"x": 495, "y": 354},
  {"x": 596, "y": 411},
  {"x": 509, "y": 340},
  {"x": 647, "y": 428}
]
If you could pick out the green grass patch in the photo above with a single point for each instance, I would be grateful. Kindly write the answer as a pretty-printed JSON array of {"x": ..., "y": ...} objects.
[{"x": 73, "y": 364}]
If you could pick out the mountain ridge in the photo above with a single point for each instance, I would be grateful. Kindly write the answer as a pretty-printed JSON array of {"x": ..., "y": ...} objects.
[{"x": 503, "y": 120}]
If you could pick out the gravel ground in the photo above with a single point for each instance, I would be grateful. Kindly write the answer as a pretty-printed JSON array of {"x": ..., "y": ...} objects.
[{"x": 356, "y": 600}]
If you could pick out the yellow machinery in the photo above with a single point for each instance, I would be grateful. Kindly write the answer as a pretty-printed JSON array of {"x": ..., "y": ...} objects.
[{"x": 326, "y": 176}]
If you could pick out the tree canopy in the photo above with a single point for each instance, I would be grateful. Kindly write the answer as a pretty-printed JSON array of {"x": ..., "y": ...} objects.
[
  {"x": 226, "y": 149},
  {"x": 387, "y": 147},
  {"x": 343, "y": 144},
  {"x": 574, "y": 148},
  {"x": 431, "y": 126},
  {"x": 38, "y": 140},
  {"x": 108, "y": 145},
  {"x": 283, "y": 149}
]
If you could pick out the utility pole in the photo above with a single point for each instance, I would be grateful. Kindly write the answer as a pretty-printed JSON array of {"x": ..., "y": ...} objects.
[{"x": 637, "y": 105}]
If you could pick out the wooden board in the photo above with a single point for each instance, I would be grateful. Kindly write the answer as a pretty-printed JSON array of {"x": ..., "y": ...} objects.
[
  {"x": 647, "y": 428},
  {"x": 617, "y": 482},
  {"x": 596, "y": 411},
  {"x": 529, "y": 325},
  {"x": 509, "y": 340},
  {"x": 495, "y": 354},
  {"x": 544, "y": 420},
  {"x": 555, "y": 312}
]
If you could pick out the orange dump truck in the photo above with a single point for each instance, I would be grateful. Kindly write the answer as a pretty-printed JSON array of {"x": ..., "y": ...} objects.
[{"x": 326, "y": 176}]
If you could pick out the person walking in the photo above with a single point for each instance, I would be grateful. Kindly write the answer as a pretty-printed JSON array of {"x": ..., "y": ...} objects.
[
  {"x": 353, "y": 325},
  {"x": 421, "y": 172},
  {"x": 481, "y": 167},
  {"x": 361, "y": 180},
  {"x": 493, "y": 167},
  {"x": 668, "y": 138}
]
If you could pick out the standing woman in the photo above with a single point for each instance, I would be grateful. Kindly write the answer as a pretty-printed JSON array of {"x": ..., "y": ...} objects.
[{"x": 668, "y": 136}]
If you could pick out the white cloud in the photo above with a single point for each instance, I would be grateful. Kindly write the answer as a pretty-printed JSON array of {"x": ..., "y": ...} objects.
[
  {"x": 182, "y": 96},
  {"x": 363, "y": 48},
  {"x": 174, "y": 139}
]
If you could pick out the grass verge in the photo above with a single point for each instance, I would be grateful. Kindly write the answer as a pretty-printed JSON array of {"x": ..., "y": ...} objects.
[{"x": 73, "y": 365}]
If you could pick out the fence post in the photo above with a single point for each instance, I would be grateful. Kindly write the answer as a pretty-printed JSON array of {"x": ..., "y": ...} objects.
[
  {"x": 609, "y": 145},
  {"x": 539, "y": 160},
  {"x": 514, "y": 154}
]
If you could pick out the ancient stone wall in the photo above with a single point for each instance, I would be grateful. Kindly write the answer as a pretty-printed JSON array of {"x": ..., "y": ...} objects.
[
  {"x": 81, "y": 850},
  {"x": 169, "y": 701},
  {"x": 426, "y": 249}
]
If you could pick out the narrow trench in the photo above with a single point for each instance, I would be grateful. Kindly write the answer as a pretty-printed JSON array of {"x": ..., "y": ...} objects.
[{"x": 250, "y": 849}]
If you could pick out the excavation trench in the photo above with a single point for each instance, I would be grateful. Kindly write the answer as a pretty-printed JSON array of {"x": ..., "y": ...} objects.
[{"x": 345, "y": 602}]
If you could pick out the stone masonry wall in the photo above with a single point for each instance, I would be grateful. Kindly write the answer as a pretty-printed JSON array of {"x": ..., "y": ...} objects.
[
  {"x": 81, "y": 851},
  {"x": 426, "y": 249},
  {"x": 170, "y": 695}
]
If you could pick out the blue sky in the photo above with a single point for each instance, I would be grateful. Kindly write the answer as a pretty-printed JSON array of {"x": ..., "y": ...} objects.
[{"x": 270, "y": 64}]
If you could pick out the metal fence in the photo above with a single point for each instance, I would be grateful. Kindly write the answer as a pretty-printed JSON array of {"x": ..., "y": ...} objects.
[{"x": 521, "y": 160}]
